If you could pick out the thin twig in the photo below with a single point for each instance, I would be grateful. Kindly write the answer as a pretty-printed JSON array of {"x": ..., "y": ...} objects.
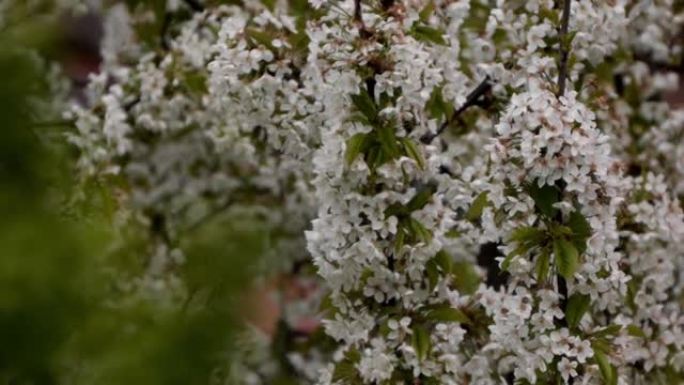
[
  {"x": 471, "y": 100},
  {"x": 358, "y": 19},
  {"x": 564, "y": 48},
  {"x": 205, "y": 218}
]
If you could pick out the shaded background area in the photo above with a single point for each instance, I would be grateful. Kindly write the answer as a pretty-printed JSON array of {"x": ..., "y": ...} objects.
[{"x": 57, "y": 293}]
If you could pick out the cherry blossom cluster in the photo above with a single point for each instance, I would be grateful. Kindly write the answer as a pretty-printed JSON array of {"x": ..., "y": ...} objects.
[{"x": 490, "y": 191}]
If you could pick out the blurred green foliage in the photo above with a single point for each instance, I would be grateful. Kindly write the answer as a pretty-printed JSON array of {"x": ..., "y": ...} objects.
[{"x": 61, "y": 319}]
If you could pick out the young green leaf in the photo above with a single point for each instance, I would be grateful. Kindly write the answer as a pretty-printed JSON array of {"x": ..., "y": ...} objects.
[
  {"x": 427, "y": 10},
  {"x": 606, "y": 368},
  {"x": 388, "y": 141},
  {"x": 259, "y": 37},
  {"x": 364, "y": 103},
  {"x": 448, "y": 314},
  {"x": 581, "y": 230},
  {"x": 542, "y": 267},
  {"x": 421, "y": 342},
  {"x": 544, "y": 198},
  {"x": 411, "y": 150},
  {"x": 427, "y": 34},
  {"x": 399, "y": 239},
  {"x": 635, "y": 331},
  {"x": 528, "y": 234},
  {"x": 465, "y": 278},
  {"x": 566, "y": 258},
  {"x": 436, "y": 106},
  {"x": 345, "y": 370},
  {"x": 506, "y": 263},
  {"x": 577, "y": 306},
  {"x": 421, "y": 198},
  {"x": 354, "y": 146},
  {"x": 475, "y": 211},
  {"x": 419, "y": 231},
  {"x": 610, "y": 330},
  {"x": 444, "y": 262}
]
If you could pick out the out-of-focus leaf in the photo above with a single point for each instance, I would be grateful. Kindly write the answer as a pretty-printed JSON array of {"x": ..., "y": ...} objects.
[{"x": 420, "y": 340}]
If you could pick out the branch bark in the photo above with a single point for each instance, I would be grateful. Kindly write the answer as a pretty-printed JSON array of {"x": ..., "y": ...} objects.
[
  {"x": 358, "y": 19},
  {"x": 357, "y": 12},
  {"x": 564, "y": 48},
  {"x": 471, "y": 100}
]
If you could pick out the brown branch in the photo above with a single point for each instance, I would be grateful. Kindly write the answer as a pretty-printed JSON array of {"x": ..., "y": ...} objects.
[
  {"x": 564, "y": 48},
  {"x": 471, "y": 100},
  {"x": 357, "y": 12}
]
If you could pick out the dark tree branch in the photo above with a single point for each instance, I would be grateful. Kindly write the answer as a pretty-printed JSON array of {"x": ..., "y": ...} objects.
[
  {"x": 364, "y": 32},
  {"x": 357, "y": 12},
  {"x": 564, "y": 48},
  {"x": 194, "y": 5},
  {"x": 471, "y": 100},
  {"x": 166, "y": 23}
]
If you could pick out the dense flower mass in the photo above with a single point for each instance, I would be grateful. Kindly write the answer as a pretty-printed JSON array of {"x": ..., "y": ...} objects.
[{"x": 490, "y": 192}]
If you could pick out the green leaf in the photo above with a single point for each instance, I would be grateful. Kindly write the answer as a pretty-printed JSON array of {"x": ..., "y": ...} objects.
[
  {"x": 475, "y": 211},
  {"x": 260, "y": 37},
  {"x": 577, "y": 306},
  {"x": 453, "y": 233},
  {"x": 542, "y": 267},
  {"x": 550, "y": 14},
  {"x": 345, "y": 370},
  {"x": 566, "y": 257},
  {"x": 196, "y": 82},
  {"x": 421, "y": 342},
  {"x": 426, "y": 12},
  {"x": 448, "y": 314},
  {"x": 465, "y": 278},
  {"x": 444, "y": 262},
  {"x": 436, "y": 106},
  {"x": 411, "y": 150},
  {"x": 375, "y": 156},
  {"x": 354, "y": 146},
  {"x": 364, "y": 103},
  {"x": 606, "y": 368},
  {"x": 581, "y": 230},
  {"x": 400, "y": 239},
  {"x": 432, "y": 272},
  {"x": 610, "y": 330},
  {"x": 506, "y": 263},
  {"x": 396, "y": 209},
  {"x": 601, "y": 344},
  {"x": 388, "y": 141},
  {"x": 568, "y": 38},
  {"x": 421, "y": 198},
  {"x": 427, "y": 34},
  {"x": 635, "y": 331},
  {"x": 528, "y": 234},
  {"x": 544, "y": 197},
  {"x": 327, "y": 306},
  {"x": 419, "y": 231}
]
